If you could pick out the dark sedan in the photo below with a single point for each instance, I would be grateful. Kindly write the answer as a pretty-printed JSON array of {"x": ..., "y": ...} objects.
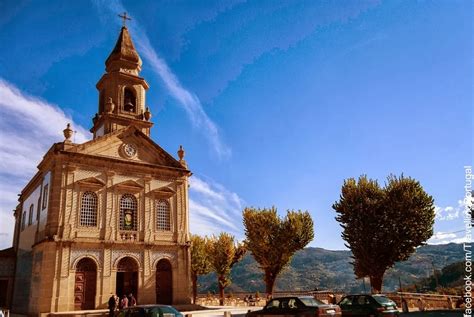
[
  {"x": 150, "y": 311},
  {"x": 368, "y": 306},
  {"x": 300, "y": 306}
]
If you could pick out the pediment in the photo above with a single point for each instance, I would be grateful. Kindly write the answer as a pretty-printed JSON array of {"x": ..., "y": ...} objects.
[
  {"x": 129, "y": 145},
  {"x": 164, "y": 192},
  {"x": 91, "y": 182},
  {"x": 129, "y": 185}
]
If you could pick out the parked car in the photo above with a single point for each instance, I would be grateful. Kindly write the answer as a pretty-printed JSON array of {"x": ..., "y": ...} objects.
[
  {"x": 150, "y": 311},
  {"x": 364, "y": 305},
  {"x": 300, "y": 306}
]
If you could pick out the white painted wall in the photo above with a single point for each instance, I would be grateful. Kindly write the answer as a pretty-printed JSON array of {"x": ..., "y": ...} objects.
[
  {"x": 44, "y": 212},
  {"x": 27, "y": 235},
  {"x": 99, "y": 131}
]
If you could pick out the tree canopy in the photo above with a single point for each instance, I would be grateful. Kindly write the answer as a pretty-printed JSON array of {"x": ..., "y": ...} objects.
[
  {"x": 383, "y": 225},
  {"x": 200, "y": 264},
  {"x": 223, "y": 253},
  {"x": 273, "y": 241}
]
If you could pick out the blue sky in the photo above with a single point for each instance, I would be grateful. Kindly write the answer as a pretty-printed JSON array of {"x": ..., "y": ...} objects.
[{"x": 275, "y": 102}]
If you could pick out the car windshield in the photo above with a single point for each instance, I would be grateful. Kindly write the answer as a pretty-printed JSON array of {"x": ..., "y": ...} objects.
[
  {"x": 273, "y": 304},
  {"x": 309, "y": 301},
  {"x": 346, "y": 301},
  {"x": 384, "y": 300},
  {"x": 153, "y": 310},
  {"x": 165, "y": 311},
  {"x": 169, "y": 310}
]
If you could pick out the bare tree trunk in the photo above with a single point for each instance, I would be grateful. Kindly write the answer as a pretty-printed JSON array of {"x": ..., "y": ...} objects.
[
  {"x": 269, "y": 283},
  {"x": 221, "y": 282},
  {"x": 194, "y": 278},
  {"x": 376, "y": 283}
]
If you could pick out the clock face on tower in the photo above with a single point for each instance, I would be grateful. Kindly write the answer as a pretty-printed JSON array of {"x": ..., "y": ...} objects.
[{"x": 129, "y": 150}]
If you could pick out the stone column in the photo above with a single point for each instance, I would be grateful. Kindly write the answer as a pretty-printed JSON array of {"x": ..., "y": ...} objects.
[
  {"x": 54, "y": 200},
  {"x": 108, "y": 279},
  {"x": 147, "y": 211},
  {"x": 108, "y": 214},
  {"x": 147, "y": 294},
  {"x": 69, "y": 209},
  {"x": 64, "y": 280}
]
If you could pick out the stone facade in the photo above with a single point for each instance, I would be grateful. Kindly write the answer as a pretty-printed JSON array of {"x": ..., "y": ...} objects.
[
  {"x": 106, "y": 216},
  {"x": 7, "y": 273}
]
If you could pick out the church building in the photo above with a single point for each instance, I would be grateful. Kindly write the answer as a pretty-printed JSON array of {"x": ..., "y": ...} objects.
[{"x": 107, "y": 216}]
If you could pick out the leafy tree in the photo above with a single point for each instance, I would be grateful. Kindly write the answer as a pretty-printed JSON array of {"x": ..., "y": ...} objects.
[
  {"x": 452, "y": 275},
  {"x": 383, "y": 225},
  {"x": 449, "y": 278},
  {"x": 273, "y": 240},
  {"x": 200, "y": 264},
  {"x": 223, "y": 253}
]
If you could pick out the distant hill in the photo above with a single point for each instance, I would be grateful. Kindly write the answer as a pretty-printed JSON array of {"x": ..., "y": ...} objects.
[
  {"x": 325, "y": 269},
  {"x": 450, "y": 278}
]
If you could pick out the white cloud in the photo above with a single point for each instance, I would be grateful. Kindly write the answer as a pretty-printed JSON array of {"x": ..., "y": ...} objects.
[
  {"x": 201, "y": 212},
  {"x": 450, "y": 213},
  {"x": 214, "y": 209},
  {"x": 200, "y": 186},
  {"x": 29, "y": 126},
  {"x": 448, "y": 237},
  {"x": 35, "y": 114},
  {"x": 188, "y": 100},
  {"x": 443, "y": 235}
]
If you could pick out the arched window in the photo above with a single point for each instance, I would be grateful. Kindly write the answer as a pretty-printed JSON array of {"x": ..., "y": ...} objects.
[
  {"x": 163, "y": 219},
  {"x": 88, "y": 216},
  {"x": 129, "y": 100},
  {"x": 23, "y": 220},
  {"x": 30, "y": 215},
  {"x": 128, "y": 212},
  {"x": 45, "y": 196}
]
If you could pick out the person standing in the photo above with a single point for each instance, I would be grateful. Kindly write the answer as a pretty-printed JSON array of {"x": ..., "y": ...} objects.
[
  {"x": 112, "y": 304},
  {"x": 117, "y": 302},
  {"x": 132, "y": 300},
  {"x": 124, "y": 302}
]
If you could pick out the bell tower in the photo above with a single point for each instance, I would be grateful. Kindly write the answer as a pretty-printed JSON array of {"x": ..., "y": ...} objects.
[{"x": 122, "y": 91}]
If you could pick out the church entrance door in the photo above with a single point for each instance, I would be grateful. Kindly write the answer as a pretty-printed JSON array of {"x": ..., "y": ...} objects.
[
  {"x": 164, "y": 283},
  {"x": 85, "y": 284},
  {"x": 127, "y": 277}
]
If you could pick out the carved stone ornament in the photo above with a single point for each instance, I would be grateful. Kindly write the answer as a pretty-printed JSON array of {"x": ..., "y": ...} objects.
[
  {"x": 158, "y": 255},
  {"x": 77, "y": 254},
  {"x": 68, "y": 133},
  {"x": 147, "y": 114},
  {"x": 109, "y": 105},
  {"x": 119, "y": 254}
]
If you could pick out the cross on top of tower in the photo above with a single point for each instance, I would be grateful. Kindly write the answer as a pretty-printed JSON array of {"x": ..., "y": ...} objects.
[{"x": 124, "y": 17}]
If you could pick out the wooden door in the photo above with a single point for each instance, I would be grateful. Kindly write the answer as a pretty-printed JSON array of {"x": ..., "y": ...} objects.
[
  {"x": 164, "y": 283},
  {"x": 3, "y": 293},
  {"x": 85, "y": 285}
]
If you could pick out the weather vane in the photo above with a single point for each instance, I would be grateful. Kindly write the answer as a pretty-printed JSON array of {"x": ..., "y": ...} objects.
[{"x": 124, "y": 18}]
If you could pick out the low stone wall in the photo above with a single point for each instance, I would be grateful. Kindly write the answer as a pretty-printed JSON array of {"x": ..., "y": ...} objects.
[
  {"x": 415, "y": 301},
  {"x": 237, "y": 299},
  {"x": 418, "y": 301},
  {"x": 79, "y": 313}
]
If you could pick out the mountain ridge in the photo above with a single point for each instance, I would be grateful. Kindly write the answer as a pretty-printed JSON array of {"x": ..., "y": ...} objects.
[{"x": 318, "y": 268}]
